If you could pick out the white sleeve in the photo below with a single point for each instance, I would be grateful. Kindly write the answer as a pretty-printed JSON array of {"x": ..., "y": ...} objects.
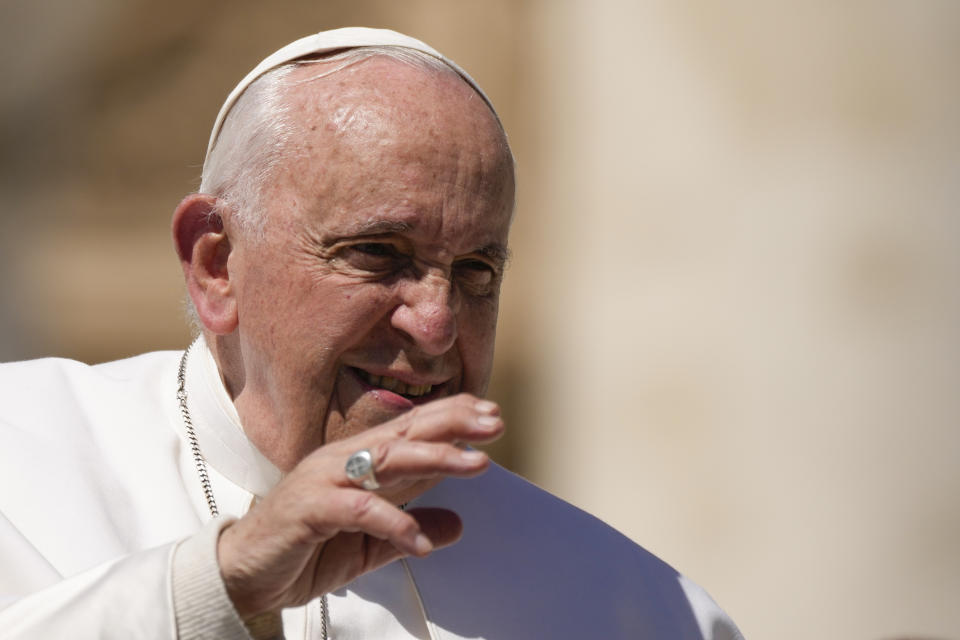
[
  {"x": 127, "y": 598},
  {"x": 202, "y": 609},
  {"x": 133, "y": 598}
]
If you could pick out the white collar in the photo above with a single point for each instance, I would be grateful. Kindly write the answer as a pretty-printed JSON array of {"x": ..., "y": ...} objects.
[{"x": 222, "y": 440}]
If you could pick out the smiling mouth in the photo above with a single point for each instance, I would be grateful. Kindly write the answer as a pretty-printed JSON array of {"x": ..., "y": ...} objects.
[{"x": 394, "y": 385}]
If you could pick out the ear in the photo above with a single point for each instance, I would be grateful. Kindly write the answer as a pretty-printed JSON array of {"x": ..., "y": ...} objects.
[{"x": 203, "y": 247}]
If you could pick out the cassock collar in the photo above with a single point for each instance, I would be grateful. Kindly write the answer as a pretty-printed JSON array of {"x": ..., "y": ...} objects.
[{"x": 215, "y": 419}]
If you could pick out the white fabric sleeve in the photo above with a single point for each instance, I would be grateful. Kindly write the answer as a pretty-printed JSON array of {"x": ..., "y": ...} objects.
[
  {"x": 127, "y": 599},
  {"x": 202, "y": 608},
  {"x": 173, "y": 592}
]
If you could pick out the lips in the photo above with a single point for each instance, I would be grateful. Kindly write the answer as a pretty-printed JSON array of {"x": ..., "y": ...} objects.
[{"x": 393, "y": 384}]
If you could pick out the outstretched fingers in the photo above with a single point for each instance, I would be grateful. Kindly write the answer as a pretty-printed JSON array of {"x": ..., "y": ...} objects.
[
  {"x": 461, "y": 418},
  {"x": 357, "y": 510},
  {"x": 373, "y": 532},
  {"x": 401, "y": 461},
  {"x": 348, "y": 555},
  {"x": 317, "y": 530}
]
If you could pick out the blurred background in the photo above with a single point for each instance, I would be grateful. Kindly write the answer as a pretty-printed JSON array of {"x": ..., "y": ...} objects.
[{"x": 732, "y": 324}]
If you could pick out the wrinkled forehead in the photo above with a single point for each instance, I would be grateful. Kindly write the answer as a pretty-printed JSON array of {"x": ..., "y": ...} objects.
[
  {"x": 383, "y": 127},
  {"x": 383, "y": 142},
  {"x": 328, "y": 42},
  {"x": 379, "y": 98}
]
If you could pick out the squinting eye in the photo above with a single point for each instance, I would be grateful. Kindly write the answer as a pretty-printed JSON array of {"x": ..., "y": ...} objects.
[
  {"x": 477, "y": 276},
  {"x": 374, "y": 248},
  {"x": 372, "y": 256}
]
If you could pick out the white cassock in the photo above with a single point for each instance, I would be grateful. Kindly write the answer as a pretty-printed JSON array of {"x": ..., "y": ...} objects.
[{"x": 100, "y": 505}]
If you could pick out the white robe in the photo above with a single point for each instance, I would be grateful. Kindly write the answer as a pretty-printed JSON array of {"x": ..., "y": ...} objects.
[{"x": 98, "y": 485}]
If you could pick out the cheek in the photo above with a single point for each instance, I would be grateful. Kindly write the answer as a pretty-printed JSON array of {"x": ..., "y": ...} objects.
[
  {"x": 314, "y": 319},
  {"x": 345, "y": 310},
  {"x": 477, "y": 333}
]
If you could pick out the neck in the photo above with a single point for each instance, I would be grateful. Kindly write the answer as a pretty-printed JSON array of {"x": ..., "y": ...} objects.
[{"x": 228, "y": 355}]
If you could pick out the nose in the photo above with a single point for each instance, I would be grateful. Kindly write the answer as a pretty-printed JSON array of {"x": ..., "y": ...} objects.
[{"x": 427, "y": 313}]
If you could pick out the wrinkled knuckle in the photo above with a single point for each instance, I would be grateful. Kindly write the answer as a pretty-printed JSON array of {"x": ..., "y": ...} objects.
[
  {"x": 407, "y": 526},
  {"x": 380, "y": 452},
  {"x": 403, "y": 424},
  {"x": 466, "y": 414},
  {"x": 467, "y": 399},
  {"x": 403, "y": 429},
  {"x": 440, "y": 455},
  {"x": 363, "y": 504}
]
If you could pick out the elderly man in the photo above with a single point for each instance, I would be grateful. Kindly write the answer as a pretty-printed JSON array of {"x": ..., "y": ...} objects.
[{"x": 343, "y": 258}]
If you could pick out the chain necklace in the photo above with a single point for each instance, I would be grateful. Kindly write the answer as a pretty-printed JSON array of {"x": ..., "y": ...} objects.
[{"x": 201, "y": 465}]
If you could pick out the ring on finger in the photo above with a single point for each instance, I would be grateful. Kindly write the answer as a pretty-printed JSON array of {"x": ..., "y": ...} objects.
[{"x": 359, "y": 469}]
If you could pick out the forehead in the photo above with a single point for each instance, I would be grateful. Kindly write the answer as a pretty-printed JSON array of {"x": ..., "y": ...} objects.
[{"x": 384, "y": 141}]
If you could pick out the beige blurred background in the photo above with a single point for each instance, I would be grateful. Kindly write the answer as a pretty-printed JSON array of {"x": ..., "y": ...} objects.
[{"x": 732, "y": 324}]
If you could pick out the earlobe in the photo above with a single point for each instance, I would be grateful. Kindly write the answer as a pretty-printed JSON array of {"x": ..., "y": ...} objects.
[{"x": 204, "y": 249}]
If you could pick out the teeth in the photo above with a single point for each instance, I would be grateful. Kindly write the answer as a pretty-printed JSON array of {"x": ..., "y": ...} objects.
[
  {"x": 397, "y": 386},
  {"x": 418, "y": 389}
]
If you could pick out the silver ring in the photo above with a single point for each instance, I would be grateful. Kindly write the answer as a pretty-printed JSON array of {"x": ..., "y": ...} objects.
[{"x": 360, "y": 470}]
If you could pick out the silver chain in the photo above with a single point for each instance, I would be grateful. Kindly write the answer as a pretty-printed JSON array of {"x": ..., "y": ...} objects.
[
  {"x": 201, "y": 465},
  {"x": 198, "y": 459}
]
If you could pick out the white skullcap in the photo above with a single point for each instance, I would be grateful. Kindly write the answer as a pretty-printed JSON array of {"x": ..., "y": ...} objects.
[{"x": 325, "y": 42}]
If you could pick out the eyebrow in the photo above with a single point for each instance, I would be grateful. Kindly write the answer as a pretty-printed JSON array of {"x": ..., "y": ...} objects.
[
  {"x": 497, "y": 252},
  {"x": 378, "y": 227}
]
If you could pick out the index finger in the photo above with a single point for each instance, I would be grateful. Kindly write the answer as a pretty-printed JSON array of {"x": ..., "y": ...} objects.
[{"x": 460, "y": 418}]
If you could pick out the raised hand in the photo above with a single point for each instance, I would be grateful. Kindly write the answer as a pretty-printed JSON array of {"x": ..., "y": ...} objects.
[{"x": 317, "y": 531}]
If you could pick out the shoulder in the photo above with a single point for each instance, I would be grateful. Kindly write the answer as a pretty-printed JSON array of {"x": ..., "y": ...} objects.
[
  {"x": 56, "y": 405},
  {"x": 570, "y": 573},
  {"x": 88, "y": 443},
  {"x": 49, "y": 391},
  {"x": 57, "y": 411},
  {"x": 63, "y": 374}
]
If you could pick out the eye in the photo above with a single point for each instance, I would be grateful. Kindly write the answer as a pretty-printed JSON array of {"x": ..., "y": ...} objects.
[
  {"x": 476, "y": 276},
  {"x": 373, "y": 256},
  {"x": 374, "y": 248}
]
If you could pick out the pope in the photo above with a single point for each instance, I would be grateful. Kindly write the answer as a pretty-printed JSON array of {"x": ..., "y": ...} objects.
[{"x": 304, "y": 469}]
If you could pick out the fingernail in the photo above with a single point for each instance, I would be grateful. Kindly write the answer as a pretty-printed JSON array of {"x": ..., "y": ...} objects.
[
  {"x": 422, "y": 544},
  {"x": 486, "y": 406},
  {"x": 473, "y": 456},
  {"x": 488, "y": 421}
]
